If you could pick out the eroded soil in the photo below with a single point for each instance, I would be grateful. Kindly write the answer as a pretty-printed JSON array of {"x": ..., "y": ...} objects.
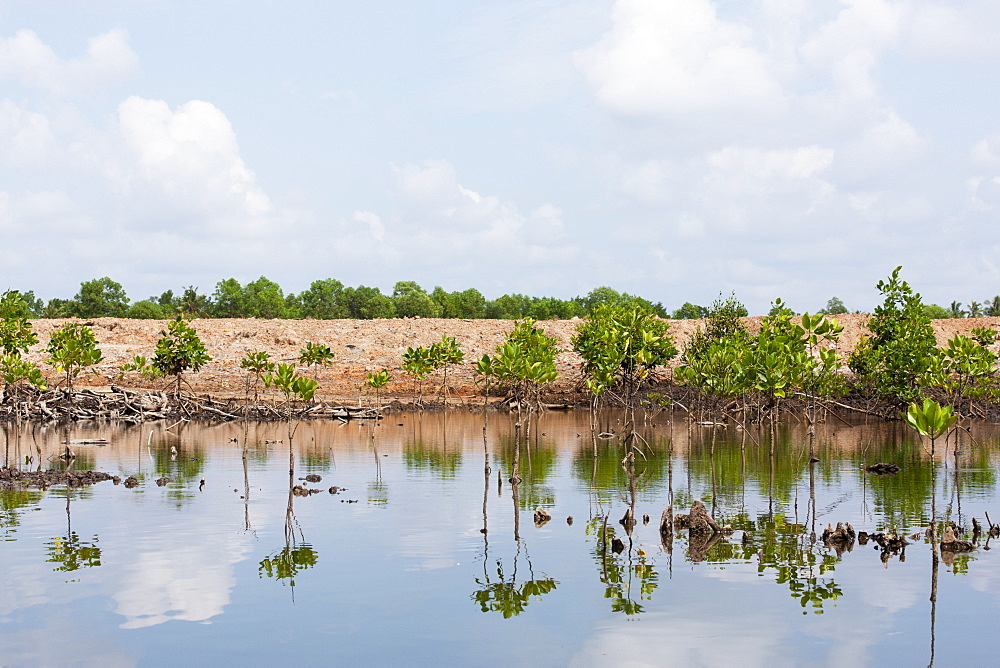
[{"x": 362, "y": 346}]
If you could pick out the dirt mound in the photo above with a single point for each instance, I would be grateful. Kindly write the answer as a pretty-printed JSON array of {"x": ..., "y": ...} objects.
[{"x": 362, "y": 346}]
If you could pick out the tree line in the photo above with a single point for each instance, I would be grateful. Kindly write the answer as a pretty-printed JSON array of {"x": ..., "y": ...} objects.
[{"x": 324, "y": 300}]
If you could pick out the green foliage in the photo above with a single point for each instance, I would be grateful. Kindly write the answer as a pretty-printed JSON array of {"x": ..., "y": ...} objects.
[
  {"x": 316, "y": 354},
  {"x": 264, "y": 298},
  {"x": 148, "y": 310},
  {"x": 71, "y": 349},
  {"x": 620, "y": 346},
  {"x": 179, "y": 349},
  {"x": 16, "y": 371},
  {"x": 964, "y": 369},
  {"x": 365, "y": 303},
  {"x": 723, "y": 326},
  {"x": 140, "y": 364},
  {"x": 523, "y": 363},
  {"x": 256, "y": 363},
  {"x": 286, "y": 379},
  {"x": 690, "y": 311},
  {"x": 228, "y": 300},
  {"x": 931, "y": 419},
  {"x": 99, "y": 298},
  {"x": 935, "y": 312},
  {"x": 984, "y": 336},
  {"x": 15, "y": 330},
  {"x": 191, "y": 304},
  {"x": 783, "y": 358},
  {"x": 901, "y": 346},
  {"x": 285, "y": 564},
  {"x": 412, "y": 301},
  {"x": 834, "y": 307},
  {"x": 324, "y": 300}
]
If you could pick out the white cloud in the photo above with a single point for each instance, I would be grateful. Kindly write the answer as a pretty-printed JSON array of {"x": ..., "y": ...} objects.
[
  {"x": 663, "y": 58},
  {"x": 191, "y": 158},
  {"x": 373, "y": 222},
  {"x": 26, "y": 137},
  {"x": 109, "y": 59}
]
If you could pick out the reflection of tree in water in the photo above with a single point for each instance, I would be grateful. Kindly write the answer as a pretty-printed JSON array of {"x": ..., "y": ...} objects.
[
  {"x": 296, "y": 555},
  {"x": 502, "y": 593},
  {"x": 69, "y": 551},
  {"x": 606, "y": 475},
  {"x": 798, "y": 562},
  {"x": 505, "y": 593},
  {"x": 421, "y": 455},
  {"x": 627, "y": 580},
  {"x": 13, "y": 502},
  {"x": 535, "y": 464}
]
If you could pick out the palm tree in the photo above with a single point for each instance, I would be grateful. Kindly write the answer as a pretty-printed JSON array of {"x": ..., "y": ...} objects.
[
  {"x": 975, "y": 309},
  {"x": 956, "y": 310},
  {"x": 993, "y": 306}
]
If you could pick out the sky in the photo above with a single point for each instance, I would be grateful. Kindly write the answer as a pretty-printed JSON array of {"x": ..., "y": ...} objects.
[{"x": 674, "y": 149}]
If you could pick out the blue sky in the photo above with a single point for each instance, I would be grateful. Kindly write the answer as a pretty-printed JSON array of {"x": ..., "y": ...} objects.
[{"x": 674, "y": 149}]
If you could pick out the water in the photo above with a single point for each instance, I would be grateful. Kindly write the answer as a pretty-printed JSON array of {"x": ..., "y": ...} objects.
[{"x": 397, "y": 568}]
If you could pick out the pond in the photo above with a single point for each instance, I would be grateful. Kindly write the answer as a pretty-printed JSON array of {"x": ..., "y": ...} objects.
[{"x": 425, "y": 554}]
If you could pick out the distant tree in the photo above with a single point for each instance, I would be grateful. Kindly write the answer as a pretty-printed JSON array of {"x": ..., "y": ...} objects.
[
  {"x": 368, "y": 303},
  {"x": 324, "y": 300},
  {"x": 412, "y": 301},
  {"x": 59, "y": 308},
  {"x": 36, "y": 307},
  {"x": 192, "y": 304},
  {"x": 935, "y": 312},
  {"x": 228, "y": 299},
  {"x": 264, "y": 298},
  {"x": 993, "y": 307},
  {"x": 834, "y": 307},
  {"x": 956, "y": 310},
  {"x": 100, "y": 297},
  {"x": 690, "y": 311},
  {"x": 147, "y": 309},
  {"x": 508, "y": 307},
  {"x": 975, "y": 309}
]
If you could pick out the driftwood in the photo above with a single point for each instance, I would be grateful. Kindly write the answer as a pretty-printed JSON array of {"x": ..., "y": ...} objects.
[
  {"x": 126, "y": 405},
  {"x": 697, "y": 521}
]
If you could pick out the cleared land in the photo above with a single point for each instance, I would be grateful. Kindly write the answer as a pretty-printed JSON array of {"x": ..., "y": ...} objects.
[{"x": 362, "y": 346}]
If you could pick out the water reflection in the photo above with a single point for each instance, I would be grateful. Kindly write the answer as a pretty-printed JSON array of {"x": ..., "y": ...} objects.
[{"x": 443, "y": 506}]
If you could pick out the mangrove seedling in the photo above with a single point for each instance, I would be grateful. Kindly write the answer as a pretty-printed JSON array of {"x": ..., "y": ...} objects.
[
  {"x": 377, "y": 381},
  {"x": 315, "y": 354},
  {"x": 291, "y": 383},
  {"x": 179, "y": 349},
  {"x": 417, "y": 363},
  {"x": 256, "y": 363},
  {"x": 72, "y": 349},
  {"x": 444, "y": 354},
  {"x": 931, "y": 419}
]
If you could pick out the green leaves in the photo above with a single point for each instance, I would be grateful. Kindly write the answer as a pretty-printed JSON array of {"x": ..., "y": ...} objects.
[
  {"x": 73, "y": 348},
  {"x": 289, "y": 382},
  {"x": 524, "y": 362},
  {"x": 179, "y": 349},
  {"x": 901, "y": 346},
  {"x": 621, "y": 345},
  {"x": 316, "y": 354},
  {"x": 931, "y": 419}
]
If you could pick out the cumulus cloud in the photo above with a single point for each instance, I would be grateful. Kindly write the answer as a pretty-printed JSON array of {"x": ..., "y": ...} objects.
[
  {"x": 27, "y": 59},
  {"x": 26, "y": 138},
  {"x": 679, "y": 57},
  {"x": 190, "y": 155}
]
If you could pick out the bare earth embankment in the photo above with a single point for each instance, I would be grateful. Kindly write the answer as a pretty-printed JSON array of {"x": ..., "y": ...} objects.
[{"x": 362, "y": 346}]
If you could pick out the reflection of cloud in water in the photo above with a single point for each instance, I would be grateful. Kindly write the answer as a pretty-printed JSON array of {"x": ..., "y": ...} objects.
[
  {"x": 190, "y": 583},
  {"x": 660, "y": 638}
]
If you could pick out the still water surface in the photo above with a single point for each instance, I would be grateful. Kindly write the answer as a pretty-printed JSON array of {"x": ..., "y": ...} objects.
[{"x": 425, "y": 559}]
